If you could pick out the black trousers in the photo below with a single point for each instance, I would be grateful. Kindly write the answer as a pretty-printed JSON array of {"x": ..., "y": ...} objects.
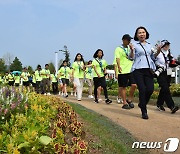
[
  {"x": 100, "y": 82},
  {"x": 164, "y": 94},
  {"x": 55, "y": 87},
  {"x": 145, "y": 84}
]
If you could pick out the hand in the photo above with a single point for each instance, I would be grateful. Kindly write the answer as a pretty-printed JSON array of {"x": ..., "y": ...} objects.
[
  {"x": 131, "y": 46},
  {"x": 119, "y": 69}
]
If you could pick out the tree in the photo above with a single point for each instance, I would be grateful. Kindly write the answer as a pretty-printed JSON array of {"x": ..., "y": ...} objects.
[
  {"x": 60, "y": 63},
  {"x": 8, "y": 58},
  {"x": 16, "y": 65},
  {"x": 30, "y": 69},
  {"x": 67, "y": 54},
  {"x": 3, "y": 67},
  {"x": 51, "y": 67}
]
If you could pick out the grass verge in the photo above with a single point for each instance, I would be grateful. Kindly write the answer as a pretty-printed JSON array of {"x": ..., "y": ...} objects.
[{"x": 112, "y": 138}]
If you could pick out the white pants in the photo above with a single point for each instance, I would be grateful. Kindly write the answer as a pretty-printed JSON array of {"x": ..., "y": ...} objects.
[{"x": 79, "y": 85}]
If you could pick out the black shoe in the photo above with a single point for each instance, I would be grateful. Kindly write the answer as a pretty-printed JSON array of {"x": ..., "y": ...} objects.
[
  {"x": 96, "y": 101},
  {"x": 108, "y": 101},
  {"x": 126, "y": 106},
  {"x": 145, "y": 116},
  {"x": 160, "y": 108},
  {"x": 131, "y": 105},
  {"x": 66, "y": 96},
  {"x": 174, "y": 109}
]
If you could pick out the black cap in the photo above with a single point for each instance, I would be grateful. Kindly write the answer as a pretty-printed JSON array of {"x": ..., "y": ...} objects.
[{"x": 126, "y": 37}]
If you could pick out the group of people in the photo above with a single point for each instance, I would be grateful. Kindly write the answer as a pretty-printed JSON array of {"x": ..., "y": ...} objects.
[{"x": 135, "y": 63}]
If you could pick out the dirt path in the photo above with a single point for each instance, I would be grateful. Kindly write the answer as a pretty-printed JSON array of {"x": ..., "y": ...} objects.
[{"x": 159, "y": 127}]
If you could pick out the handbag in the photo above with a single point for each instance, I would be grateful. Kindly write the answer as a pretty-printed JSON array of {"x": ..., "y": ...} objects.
[{"x": 150, "y": 69}]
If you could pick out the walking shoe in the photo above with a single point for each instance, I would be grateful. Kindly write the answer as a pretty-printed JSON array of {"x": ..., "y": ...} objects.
[
  {"x": 126, "y": 106},
  {"x": 45, "y": 94},
  {"x": 108, "y": 101},
  {"x": 100, "y": 100},
  {"x": 96, "y": 101},
  {"x": 145, "y": 116},
  {"x": 119, "y": 100},
  {"x": 48, "y": 94},
  {"x": 160, "y": 108},
  {"x": 131, "y": 105},
  {"x": 71, "y": 93},
  {"x": 90, "y": 96},
  {"x": 66, "y": 96},
  {"x": 75, "y": 94},
  {"x": 174, "y": 109},
  {"x": 79, "y": 99}
]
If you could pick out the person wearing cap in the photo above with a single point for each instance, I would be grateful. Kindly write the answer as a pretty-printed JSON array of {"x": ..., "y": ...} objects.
[
  {"x": 45, "y": 73},
  {"x": 162, "y": 61},
  {"x": 123, "y": 71},
  {"x": 143, "y": 67},
  {"x": 38, "y": 78},
  {"x": 25, "y": 78}
]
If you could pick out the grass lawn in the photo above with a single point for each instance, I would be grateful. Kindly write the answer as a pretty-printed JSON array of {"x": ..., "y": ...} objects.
[{"x": 103, "y": 135}]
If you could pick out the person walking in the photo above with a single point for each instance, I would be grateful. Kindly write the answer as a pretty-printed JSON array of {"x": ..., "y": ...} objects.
[
  {"x": 162, "y": 62},
  {"x": 125, "y": 77},
  {"x": 89, "y": 78},
  {"x": 99, "y": 72},
  {"x": 25, "y": 78},
  {"x": 45, "y": 73},
  {"x": 54, "y": 81},
  {"x": 39, "y": 86},
  {"x": 78, "y": 74},
  {"x": 64, "y": 74},
  {"x": 143, "y": 67}
]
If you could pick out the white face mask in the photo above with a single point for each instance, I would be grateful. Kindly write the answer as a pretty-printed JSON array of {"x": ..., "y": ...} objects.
[{"x": 165, "y": 52}]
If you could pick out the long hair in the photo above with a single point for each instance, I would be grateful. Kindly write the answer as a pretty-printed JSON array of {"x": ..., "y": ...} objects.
[
  {"x": 96, "y": 53},
  {"x": 141, "y": 27},
  {"x": 82, "y": 59}
]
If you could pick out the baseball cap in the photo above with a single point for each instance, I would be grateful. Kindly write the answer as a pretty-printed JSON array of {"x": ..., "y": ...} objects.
[{"x": 126, "y": 37}]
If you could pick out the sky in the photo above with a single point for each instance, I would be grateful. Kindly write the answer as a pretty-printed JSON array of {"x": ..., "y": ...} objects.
[{"x": 33, "y": 30}]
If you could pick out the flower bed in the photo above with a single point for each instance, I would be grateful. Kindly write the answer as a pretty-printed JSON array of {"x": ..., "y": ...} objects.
[{"x": 32, "y": 123}]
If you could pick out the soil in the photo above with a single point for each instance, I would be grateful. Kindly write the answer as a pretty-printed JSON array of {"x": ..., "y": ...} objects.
[{"x": 158, "y": 128}]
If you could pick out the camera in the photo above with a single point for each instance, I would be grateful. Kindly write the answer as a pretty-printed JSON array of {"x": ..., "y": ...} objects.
[{"x": 158, "y": 71}]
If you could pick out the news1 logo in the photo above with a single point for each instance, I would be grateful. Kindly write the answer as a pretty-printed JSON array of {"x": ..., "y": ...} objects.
[{"x": 170, "y": 145}]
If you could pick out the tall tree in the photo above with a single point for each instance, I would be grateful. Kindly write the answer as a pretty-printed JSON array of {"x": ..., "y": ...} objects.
[
  {"x": 67, "y": 54},
  {"x": 30, "y": 69},
  {"x": 8, "y": 58},
  {"x": 51, "y": 67},
  {"x": 16, "y": 65},
  {"x": 3, "y": 67}
]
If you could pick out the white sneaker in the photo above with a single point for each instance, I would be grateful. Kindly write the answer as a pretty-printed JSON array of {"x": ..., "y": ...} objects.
[
  {"x": 75, "y": 94},
  {"x": 71, "y": 93},
  {"x": 62, "y": 94},
  {"x": 119, "y": 100},
  {"x": 45, "y": 94},
  {"x": 48, "y": 94},
  {"x": 90, "y": 96},
  {"x": 99, "y": 100},
  {"x": 59, "y": 93}
]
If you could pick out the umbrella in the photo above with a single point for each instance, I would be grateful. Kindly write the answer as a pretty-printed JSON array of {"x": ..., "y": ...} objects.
[{"x": 14, "y": 72}]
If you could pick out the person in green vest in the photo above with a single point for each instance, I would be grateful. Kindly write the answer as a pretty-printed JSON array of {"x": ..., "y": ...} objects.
[
  {"x": 45, "y": 73},
  {"x": 5, "y": 79},
  {"x": 25, "y": 79},
  {"x": 17, "y": 79},
  {"x": 11, "y": 78},
  {"x": 123, "y": 72},
  {"x": 78, "y": 74},
  {"x": 38, "y": 77},
  {"x": 54, "y": 81},
  {"x": 99, "y": 73},
  {"x": 33, "y": 81},
  {"x": 89, "y": 78},
  {"x": 64, "y": 73}
]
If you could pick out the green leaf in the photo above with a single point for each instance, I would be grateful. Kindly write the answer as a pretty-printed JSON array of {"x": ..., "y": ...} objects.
[
  {"x": 25, "y": 144},
  {"x": 45, "y": 140}
]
